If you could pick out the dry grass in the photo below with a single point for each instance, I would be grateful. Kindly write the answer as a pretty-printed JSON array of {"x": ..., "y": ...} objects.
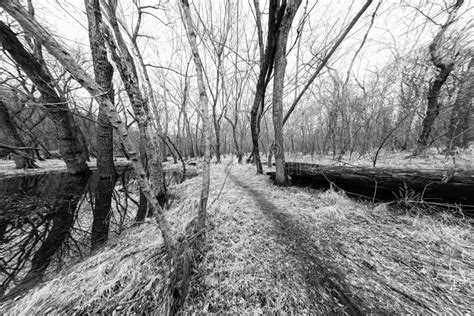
[
  {"x": 128, "y": 275},
  {"x": 273, "y": 249},
  {"x": 389, "y": 260}
]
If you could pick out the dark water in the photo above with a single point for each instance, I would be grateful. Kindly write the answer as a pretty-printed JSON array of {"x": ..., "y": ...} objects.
[{"x": 49, "y": 221}]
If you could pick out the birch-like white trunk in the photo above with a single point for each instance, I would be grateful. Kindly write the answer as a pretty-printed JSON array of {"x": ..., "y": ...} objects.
[{"x": 188, "y": 22}]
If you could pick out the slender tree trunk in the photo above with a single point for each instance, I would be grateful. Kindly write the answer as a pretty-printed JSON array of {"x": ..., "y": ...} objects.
[
  {"x": 266, "y": 68},
  {"x": 57, "y": 107},
  {"x": 218, "y": 141},
  {"x": 458, "y": 124},
  {"x": 188, "y": 22}
]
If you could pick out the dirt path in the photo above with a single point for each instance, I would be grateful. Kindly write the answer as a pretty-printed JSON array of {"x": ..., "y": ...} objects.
[{"x": 324, "y": 285}]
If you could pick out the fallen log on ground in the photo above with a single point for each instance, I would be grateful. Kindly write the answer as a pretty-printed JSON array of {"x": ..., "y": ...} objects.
[{"x": 437, "y": 186}]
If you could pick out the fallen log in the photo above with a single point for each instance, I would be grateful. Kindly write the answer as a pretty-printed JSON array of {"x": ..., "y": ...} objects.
[{"x": 439, "y": 186}]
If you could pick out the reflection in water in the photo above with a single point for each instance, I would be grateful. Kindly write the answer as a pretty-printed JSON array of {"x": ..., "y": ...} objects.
[{"x": 49, "y": 221}]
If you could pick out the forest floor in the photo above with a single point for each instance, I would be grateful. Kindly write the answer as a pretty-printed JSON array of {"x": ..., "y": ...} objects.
[{"x": 278, "y": 249}]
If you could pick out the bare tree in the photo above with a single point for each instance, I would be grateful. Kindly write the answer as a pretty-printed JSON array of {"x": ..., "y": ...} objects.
[
  {"x": 203, "y": 100},
  {"x": 444, "y": 66},
  {"x": 267, "y": 53},
  {"x": 326, "y": 58},
  {"x": 67, "y": 130},
  {"x": 61, "y": 54},
  {"x": 283, "y": 31},
  {"x": 458, "y": 128},
  {"x": 103, "y": 72},
  {"x": 149, "y": 143}
]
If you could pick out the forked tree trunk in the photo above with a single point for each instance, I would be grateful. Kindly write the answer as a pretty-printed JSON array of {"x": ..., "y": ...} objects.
[
  {"x": 57, "y": 107},
  {"x": 61, "y": 54},
  {"x": 266, "y": 68}
]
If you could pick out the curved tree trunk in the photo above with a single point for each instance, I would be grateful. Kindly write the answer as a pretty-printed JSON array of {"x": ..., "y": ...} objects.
[
  {"x": 266, "y": 67},
  {"x": 445, "y": 67},
  {"x": 58, "y": 110},
  {"x": 61, "y": 54}
]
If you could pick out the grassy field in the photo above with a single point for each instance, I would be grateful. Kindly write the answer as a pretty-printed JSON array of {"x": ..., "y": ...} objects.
[{"x": 275, "y": 249}]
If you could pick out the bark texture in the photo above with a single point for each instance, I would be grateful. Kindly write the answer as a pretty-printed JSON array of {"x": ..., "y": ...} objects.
[
  {"x": 203, "y": 100},
  {"x": 278, "y": 85},
  {"x": 71, "y": 148},
  {"x": 103, "y": 72},
  {"x": 151, "y": 146}
]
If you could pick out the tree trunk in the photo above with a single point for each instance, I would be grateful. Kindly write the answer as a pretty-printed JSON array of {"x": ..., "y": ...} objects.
[
  {"x": 459, "y": 123},
  {"x": 278, "y": 85},
  {"x": 128, "y": 73},
  {"x": 266, "y": 68},
  {"x": 445, "y": 67},
  {"x": 238, "y": 151},
  {"x": 218, "y": 141},
  {"x": 433, "y": 106},
  {"x": 61, "y": 54},
  {"x": 57, "y": 107},
  {"x": 103, "y": 72},
  {"x": 188, "y": 22},
  {"x": 9, "y": 135}
]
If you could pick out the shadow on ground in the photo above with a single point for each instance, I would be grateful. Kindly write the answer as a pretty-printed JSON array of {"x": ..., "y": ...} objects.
[{"x": 324, "y": 283}]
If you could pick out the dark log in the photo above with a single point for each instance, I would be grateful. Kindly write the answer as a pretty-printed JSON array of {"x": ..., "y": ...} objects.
[{"x": 439, "y": 186}]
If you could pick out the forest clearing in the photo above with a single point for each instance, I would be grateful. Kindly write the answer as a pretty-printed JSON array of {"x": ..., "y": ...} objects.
[{"x": 178, "y": 157}]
